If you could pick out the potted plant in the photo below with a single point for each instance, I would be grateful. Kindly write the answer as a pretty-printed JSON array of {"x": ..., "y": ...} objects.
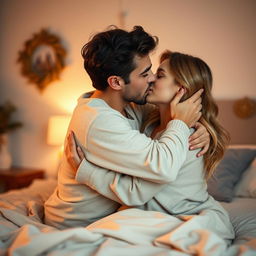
[{"x": 6, "y": 125}]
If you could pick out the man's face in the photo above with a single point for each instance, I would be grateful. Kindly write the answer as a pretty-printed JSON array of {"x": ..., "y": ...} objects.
[{"x": 140, "y": 80}]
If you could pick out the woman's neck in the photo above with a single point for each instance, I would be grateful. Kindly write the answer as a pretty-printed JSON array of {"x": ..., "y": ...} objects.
[
  {"x": 165, "y": 117},
  {"x": 165, "y": 114}
]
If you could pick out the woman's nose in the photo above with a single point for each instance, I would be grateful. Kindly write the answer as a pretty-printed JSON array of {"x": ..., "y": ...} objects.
[{"x": 152, "y": 78}]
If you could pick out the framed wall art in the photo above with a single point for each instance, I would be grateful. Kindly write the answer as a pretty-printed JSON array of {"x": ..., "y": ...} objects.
[{"x": 42, "y": 59}]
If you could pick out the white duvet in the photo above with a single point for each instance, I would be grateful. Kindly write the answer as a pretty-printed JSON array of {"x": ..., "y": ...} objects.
[{"x": 128, "y": 232}]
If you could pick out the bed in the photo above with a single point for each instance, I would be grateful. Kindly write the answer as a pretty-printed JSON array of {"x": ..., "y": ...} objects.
[{"x": 133, "y": 231}]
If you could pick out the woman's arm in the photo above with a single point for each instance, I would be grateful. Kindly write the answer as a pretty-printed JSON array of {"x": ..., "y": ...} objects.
[
  {"x": 121, "y": 188},
  {"x": 125, "y": 189}
]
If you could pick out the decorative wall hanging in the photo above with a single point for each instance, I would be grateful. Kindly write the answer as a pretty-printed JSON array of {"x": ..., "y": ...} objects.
[
  {"x": 42, "y": 59},
  {"x": 245, "y": 108}
]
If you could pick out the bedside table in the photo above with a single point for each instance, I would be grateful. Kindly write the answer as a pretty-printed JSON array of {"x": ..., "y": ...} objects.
[{"x": 19, "y": 177}]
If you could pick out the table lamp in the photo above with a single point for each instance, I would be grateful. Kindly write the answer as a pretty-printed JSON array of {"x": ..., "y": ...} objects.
[{"x": 57, "y": 129}]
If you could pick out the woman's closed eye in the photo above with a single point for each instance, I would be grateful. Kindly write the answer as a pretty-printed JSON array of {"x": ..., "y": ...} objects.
[{"x": 159, "y": 75}]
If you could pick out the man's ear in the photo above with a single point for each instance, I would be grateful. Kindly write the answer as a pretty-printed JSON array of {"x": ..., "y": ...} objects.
[{"x": 115, "y": 82}]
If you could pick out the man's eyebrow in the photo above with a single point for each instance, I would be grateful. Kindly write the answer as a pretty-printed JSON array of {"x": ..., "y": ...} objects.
[{"x": 146, "y": 70}]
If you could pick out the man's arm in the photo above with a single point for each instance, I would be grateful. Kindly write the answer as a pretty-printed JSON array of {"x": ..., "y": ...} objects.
[
  {"x": 110, "y": 142},
  {"x": 121, "y": 188},
  {"x": 200, "y": 139},
  {"x": 148, "y": 115}
]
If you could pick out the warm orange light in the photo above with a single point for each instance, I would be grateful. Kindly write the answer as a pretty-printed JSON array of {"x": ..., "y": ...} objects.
[{"x": 57, "y": 129}]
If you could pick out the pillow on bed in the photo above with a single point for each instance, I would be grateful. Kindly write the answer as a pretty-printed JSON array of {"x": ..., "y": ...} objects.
[
  {"x": 247, "y": 186},
  {"x": 242, "y": 213},
  {"x": 229, "y": 171}
]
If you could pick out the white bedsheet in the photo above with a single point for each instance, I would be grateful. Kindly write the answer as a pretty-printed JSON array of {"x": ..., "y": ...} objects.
[{"x": 128, "y": 232}]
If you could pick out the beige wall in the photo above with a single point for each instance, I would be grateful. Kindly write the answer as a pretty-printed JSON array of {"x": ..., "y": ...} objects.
[{"x": 222, "y": 32}]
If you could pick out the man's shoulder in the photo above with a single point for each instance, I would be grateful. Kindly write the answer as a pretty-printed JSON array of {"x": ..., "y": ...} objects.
[
  {"x": 86, "y": 100},
  {"x": 93, "y": 117},
  {"x": 92, "y": 102},
  {"x": 94, "y": 106},
  {"x": 96, "y": 110}
]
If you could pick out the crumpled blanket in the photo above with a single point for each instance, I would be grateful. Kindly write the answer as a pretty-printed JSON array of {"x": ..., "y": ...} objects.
[{"x": 125, "y": 233}]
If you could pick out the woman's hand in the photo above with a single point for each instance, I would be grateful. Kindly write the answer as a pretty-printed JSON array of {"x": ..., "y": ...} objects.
[
  {"x": 199, "y": 139},
  {"x": 74, "y": 153}
]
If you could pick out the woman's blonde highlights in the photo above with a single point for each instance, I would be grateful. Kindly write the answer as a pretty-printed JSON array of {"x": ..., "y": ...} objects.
[{"x": 193, "y": 74}]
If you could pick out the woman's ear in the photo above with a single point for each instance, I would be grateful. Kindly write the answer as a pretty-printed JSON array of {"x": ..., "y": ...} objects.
[
  {"x": 115, "y": 82},
  {"x": 186, "y": 93}
]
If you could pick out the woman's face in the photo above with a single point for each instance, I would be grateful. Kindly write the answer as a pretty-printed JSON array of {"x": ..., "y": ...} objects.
[{"x": 165, "y": 88}]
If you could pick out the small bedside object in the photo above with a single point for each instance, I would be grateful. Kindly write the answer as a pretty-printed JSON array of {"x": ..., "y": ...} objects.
[{"x": 19, "y": 177}]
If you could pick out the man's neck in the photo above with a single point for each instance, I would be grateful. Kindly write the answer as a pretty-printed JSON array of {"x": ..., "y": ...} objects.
[{"x": 112, "y": 98}]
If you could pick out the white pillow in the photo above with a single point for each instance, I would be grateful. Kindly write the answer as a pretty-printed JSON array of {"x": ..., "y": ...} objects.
[{"x": 247, "y": 186}]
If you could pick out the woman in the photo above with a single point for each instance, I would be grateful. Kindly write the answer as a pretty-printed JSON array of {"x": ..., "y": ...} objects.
[
  {"x": 181, "y": 70},
  {"x": 187, "y": 194}
]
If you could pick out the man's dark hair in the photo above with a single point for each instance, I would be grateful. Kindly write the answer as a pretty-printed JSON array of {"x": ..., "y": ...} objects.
[{"x": 112, "y": 52}]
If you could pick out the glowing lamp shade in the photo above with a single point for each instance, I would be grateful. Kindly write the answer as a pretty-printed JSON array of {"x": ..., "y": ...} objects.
[{"x": 57, "y": 129}]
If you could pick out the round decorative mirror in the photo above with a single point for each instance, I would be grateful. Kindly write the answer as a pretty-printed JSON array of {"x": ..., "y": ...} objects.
[{"x": 244, "y": 108}]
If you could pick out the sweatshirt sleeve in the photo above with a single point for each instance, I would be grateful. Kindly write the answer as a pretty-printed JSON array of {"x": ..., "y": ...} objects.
[
  {"x": 112, "y": 144},
  {"x": 124, "y": 189}
]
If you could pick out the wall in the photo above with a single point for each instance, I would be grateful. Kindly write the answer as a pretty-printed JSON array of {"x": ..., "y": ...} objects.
[{"x": 222, "y": 32}]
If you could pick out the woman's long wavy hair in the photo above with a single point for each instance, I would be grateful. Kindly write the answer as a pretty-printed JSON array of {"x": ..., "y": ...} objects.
[{"x": 193, "y": 74}]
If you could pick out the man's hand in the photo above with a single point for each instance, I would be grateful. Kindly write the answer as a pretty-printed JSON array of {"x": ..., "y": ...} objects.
[
  {"x": 189, "y": 110},
  {"x": 74, "y": 153},
  {"x": 199, "y": 139}
]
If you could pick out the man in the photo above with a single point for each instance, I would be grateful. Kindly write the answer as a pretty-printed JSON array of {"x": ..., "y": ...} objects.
[{"x": 107, "y": 126}]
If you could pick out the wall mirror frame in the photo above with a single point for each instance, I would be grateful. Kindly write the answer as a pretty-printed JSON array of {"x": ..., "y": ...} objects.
[{"x": 42, "y": 59}]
